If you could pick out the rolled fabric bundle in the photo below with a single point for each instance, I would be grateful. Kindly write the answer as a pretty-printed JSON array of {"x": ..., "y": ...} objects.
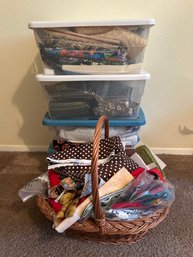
[
  {"x": 92, "y": 30},
  {"x": 134, "y": 43},
  {"x": 64, "y": 33}
]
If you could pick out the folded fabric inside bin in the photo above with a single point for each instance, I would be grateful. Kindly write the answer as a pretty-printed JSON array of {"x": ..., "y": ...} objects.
[
  {"x": 65, "y": 110},
  {"x": 63, "y": 49},
  {"x": 86, "y": 133},
  {"x": 66, "y": 88},
  {"x": 111, "y": 98},
  {"x": 116, "y": 107}
]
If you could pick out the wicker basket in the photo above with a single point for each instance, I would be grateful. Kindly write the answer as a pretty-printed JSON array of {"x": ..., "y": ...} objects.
[{"x": 99, "y": 228}]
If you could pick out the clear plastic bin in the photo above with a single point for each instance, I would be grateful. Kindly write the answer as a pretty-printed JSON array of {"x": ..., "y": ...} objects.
[
  {"x": 90, "y": 96},
  {"x": 94, "y": 47},
  {"x": 78, "y": 131}
]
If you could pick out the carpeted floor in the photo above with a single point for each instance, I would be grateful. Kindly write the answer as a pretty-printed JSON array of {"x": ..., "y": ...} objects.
[{"x": 25, "y": 232}]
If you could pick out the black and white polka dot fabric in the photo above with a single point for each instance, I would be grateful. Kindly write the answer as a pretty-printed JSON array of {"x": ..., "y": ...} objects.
[{"x": 84, "y": 152}]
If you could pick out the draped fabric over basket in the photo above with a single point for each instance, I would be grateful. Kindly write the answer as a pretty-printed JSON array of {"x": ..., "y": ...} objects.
[{"x": 76, "y": 161}]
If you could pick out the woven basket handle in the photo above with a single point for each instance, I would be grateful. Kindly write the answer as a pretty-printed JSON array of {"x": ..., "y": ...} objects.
[{"x": 99, "y": 215}]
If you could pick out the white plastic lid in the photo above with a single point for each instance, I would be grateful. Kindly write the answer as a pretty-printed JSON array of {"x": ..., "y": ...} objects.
[
  {"x": 86, "y": 23},
  {"x": 124, "y": 77}
]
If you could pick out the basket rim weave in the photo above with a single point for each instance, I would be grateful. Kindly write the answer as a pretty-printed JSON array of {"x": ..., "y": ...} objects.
[{"x": 117, "y": 232}]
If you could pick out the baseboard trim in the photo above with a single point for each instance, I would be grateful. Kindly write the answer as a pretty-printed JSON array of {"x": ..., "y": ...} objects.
[
  {"x": 23, "y": 148},
  {"x": 174, "y": 151},
  {"x": 43, "y": 148}
]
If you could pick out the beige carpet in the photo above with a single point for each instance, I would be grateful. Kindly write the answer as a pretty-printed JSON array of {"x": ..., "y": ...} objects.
[{"x": 25, "y": 232}]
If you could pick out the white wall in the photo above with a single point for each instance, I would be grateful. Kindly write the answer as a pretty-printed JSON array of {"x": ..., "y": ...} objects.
[{"x": 168, "y": 97}]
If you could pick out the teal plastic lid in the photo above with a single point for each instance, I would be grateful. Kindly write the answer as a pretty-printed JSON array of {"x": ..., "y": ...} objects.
[{"x": 92, "y": 123}]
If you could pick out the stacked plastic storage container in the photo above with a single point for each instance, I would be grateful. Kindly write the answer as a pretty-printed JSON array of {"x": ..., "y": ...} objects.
[
  {"x": 93, "y": 69},
  {"x": 93, "y": 188}
]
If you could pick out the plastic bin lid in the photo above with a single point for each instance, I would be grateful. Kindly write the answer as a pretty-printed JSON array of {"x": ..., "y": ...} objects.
[
  {"x": 59, "y": 78},
  {"x": 120, "y": 22},
  {"x": 140, "y": 121}
]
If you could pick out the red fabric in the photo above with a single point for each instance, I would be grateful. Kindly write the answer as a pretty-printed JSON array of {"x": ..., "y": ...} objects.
[
  {"x": 56, "y": 206},
  {"x": 158, "y": 173},
  {"x": 126, "y": 205},
  {"x": 153, "y": 171},
  {"x": 136, "y": 172},
  {"x": 53, "y": 178},
  {"x": 82, "y": 200}
]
